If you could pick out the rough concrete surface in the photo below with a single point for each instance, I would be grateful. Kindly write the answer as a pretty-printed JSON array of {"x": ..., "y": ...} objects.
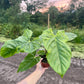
[{"x": 9, "y": 75}]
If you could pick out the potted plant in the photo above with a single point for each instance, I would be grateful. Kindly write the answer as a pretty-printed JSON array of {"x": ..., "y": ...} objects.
[{"x": 50, "y": 45}]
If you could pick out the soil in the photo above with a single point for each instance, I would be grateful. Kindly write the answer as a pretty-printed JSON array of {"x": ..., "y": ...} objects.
[{"x": 9, "y": 75}]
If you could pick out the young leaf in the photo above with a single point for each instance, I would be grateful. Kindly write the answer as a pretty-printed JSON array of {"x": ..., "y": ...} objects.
[
  {"x": 71, "y": 36},
  {"x": 41, "y": 52},
  {"x": 29, "y": 61}
]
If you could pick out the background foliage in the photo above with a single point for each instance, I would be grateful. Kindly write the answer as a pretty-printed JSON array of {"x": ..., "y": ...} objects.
[{"x": 13, "y": 22}]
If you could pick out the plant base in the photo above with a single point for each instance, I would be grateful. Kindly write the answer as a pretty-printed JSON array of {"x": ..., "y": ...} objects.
[{"x": 45, "y": 65}]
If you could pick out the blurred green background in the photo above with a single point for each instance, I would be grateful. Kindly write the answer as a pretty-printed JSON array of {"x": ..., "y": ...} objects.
[{"x": 13, "y": 22}]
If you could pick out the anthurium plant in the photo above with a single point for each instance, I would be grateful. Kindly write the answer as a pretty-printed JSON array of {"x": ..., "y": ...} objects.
[{"x": 50, "y": 45}]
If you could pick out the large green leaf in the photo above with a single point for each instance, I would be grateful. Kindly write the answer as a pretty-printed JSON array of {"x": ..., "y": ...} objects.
[
  {"x": 29, "y": 61},
  {"x": 59, "y": 54},
  {"x": 71, "y": 36},
  {"x": 20, "y": 44}
]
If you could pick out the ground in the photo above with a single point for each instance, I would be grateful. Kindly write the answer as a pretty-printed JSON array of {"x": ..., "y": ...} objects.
[{"x": 9, "y": 75}]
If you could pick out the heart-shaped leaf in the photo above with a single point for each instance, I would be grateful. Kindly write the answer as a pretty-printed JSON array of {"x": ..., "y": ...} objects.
[
  {"x": 21, "y": 44},
  {"x": 59, "y": 54}
]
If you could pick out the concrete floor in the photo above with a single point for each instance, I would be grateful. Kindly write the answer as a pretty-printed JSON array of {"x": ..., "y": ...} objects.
[{"x": 9, "y": 75}]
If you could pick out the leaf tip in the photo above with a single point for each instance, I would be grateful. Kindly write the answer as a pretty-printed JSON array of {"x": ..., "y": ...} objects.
[
  {"x": 18, "y": 71},
  {"x": 62, "y": 76}
]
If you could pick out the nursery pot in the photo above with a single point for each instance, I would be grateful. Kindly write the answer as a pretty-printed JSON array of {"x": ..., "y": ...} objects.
[{"x": 45, "y": 65}]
